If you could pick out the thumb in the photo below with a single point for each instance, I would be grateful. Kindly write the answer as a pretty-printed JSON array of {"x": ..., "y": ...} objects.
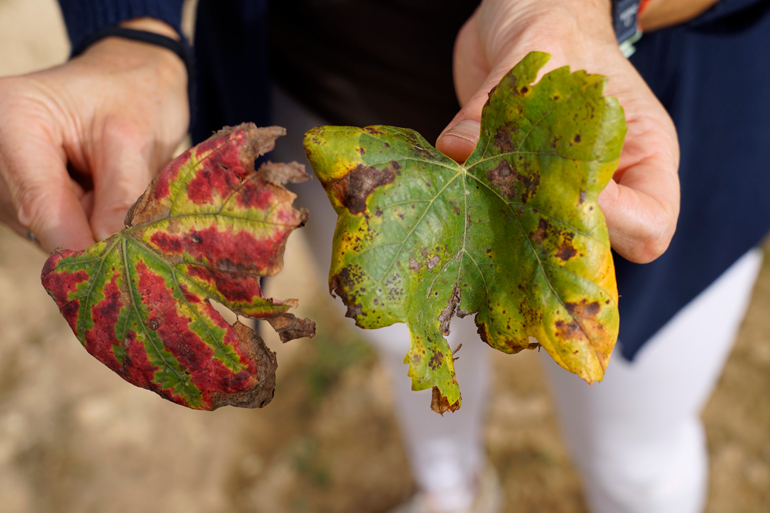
[
  {"x": 460, "y": 137},
  {"x": 121, "y": 173},
  {"x": 46, "y": 200}
]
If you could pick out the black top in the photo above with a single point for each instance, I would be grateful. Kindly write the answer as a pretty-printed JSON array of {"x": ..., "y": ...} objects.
[{"x": 364, "y": 62}]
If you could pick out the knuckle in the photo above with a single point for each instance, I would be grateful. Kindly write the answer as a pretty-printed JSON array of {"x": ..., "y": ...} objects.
[
  {"x": 127, "y": 131},
  {"x": 655, "y": 239},
  {"x": 30, "y": 202}
]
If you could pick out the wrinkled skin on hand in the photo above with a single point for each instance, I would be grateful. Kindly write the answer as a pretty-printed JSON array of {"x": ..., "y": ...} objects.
[{"x": 80, "y": 142}]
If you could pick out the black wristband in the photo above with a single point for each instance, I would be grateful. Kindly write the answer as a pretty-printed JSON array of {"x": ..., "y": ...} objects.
[{"x": 180, "y": 48}]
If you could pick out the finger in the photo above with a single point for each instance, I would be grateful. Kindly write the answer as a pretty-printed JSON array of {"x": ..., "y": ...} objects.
[
  {"x": 641, "y": 212},
  {"x": 121, "y": 173},
  {"x": 46, "y": 204},
  {"x": 470, "y": 66},
  {"x": 460, "y": 137},
  {"x": 87, "y": 203}
]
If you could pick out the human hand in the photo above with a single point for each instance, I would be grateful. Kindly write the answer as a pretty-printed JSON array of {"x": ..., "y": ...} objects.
[
  {"x": 113, "y": 116},
  {"x": 641, "y": 202}
]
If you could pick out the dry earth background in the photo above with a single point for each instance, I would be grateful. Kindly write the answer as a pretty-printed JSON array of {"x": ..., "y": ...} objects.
[{"x": 75, "y": 438}]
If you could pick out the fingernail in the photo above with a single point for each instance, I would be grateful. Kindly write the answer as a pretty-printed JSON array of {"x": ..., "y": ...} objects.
[{"x": 467, "y": 130}]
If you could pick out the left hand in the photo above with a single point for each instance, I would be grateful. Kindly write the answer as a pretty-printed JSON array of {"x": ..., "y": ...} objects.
[{"x": 641, "y": 202}]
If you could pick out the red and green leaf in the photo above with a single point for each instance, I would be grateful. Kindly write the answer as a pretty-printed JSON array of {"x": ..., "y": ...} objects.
[
  {"x": 514, "y": 235},
  {"x": 208, "y": 227}
]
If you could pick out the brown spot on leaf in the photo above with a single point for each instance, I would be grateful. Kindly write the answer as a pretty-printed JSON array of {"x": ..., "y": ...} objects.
[
  {"x": 481, "y": 329},
  {"x": 413, "y": 265},
  {"x": 582, "y": 198},
  {"x": 435, "y": 360},
  {"x": 503, "y": 137},
  {"x": 290, "y": 327},
  {"x": 445, "y": 318},
  {"x": 440, "y": 404},
  {"x": 583, "y": 309},
  {"x": 565, "y": 252},
  {"x": 339, "y": 284},
  {"x": 532, "y": 316},
  {"x": 354, "y": 188},
  {"x": 542, "y": 232},
  {"x": 284, "y": 172},
  {"x": 501, "y": 175},
  {"x": 509, "y": 181},
  {"x": 567, "y": 330}
]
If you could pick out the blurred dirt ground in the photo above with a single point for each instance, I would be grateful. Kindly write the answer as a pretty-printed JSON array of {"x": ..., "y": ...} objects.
[{"x": 76, "y": 438}]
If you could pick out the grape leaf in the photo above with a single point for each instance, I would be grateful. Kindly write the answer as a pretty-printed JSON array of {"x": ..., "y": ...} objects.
[
  {"x": 208, "y": 226},
  {"x": 513, "y": 235}
]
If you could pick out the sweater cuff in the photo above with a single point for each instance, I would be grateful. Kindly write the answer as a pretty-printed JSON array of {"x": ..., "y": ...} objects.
[{"x": 84, "y": 17}]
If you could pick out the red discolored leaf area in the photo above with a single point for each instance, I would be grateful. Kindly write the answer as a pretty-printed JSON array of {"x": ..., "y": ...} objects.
[{"x": 209, "y": 226}]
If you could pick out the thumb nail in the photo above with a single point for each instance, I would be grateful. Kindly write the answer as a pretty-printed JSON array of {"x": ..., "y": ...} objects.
[
  {"x": 467, "y": 130},
  {"x": 459, "y": 141}
]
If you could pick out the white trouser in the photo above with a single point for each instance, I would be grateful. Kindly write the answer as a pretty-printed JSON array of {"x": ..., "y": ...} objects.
[
  {"x": 636, "y": 437},
  {"x": 446, "y": 453}
]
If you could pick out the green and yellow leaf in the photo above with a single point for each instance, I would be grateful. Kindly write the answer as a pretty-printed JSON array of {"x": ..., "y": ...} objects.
[{"x": 514, "y": 235}]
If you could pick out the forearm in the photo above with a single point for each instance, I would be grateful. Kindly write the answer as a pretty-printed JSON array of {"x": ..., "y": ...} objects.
[{"x": 664, "y": 13}]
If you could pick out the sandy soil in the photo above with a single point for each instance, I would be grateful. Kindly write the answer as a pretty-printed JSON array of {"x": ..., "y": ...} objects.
[{"x": 75, "y": 438}]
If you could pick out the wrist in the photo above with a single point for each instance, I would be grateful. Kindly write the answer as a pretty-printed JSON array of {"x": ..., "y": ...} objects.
[
  {"x": 123, "y": 53},
  {"x": 573, "y": 29}
]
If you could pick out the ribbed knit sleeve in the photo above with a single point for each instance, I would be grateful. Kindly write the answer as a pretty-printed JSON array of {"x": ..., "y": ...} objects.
[{"x": 84, "y": 17}]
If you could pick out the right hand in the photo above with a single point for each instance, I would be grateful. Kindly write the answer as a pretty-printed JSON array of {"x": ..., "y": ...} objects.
[{"x": 114, "y": 114}]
